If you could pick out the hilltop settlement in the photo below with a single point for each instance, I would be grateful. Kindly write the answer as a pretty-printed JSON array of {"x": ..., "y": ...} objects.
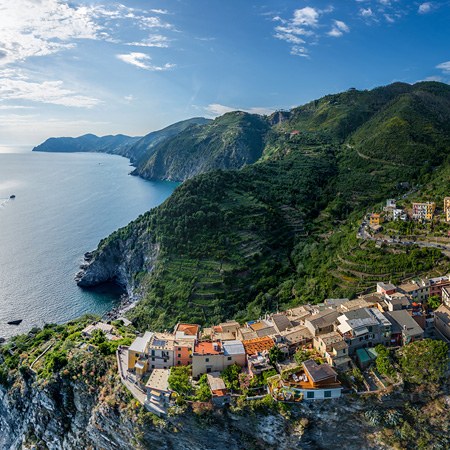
[{"x": 306, "y": 353}]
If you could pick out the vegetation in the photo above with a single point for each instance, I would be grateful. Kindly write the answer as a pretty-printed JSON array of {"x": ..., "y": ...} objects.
[
  {"x": 384, "y": 361},
  {"x": 179, "y": 380},
  {"x": 424, "y": 361}
]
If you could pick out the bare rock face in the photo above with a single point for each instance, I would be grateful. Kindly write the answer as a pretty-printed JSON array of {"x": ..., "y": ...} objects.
[{"x": 118, "y": 260}]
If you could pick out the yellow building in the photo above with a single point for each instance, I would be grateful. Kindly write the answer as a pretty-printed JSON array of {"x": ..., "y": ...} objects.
[
  {"x": 137, "y": 354},
  {"x": 447, "y": 208},
  {"x": 423, "y": 211},
  {"x": 376, "y": 219}
]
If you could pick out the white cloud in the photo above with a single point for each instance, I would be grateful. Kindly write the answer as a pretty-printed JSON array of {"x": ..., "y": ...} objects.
[
  {"x": 366, "y": 12},
  {"x": 142, "y": 61},
  {"x": 52, "y": 92},
  {"x": 216, "y": 109},
  {"x": 155, "y": 40},
  {"x": 297, "y": 50},
  {"x": 445, "y": 67},
  {"x": 425, "y": 8},
  {"x": 306, "y": 16},
  {"x": 338, "y": 29},
  {"x": 389, "y": 18},
  {"x": 43, "y": 27},
  {"x": 159, "y": 11},
  {"x": 289, "y": 38}
]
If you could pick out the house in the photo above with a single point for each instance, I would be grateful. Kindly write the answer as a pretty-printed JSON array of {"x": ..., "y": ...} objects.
[
  {"x": 226, "y": 331},
  {"x": 219, "y": 391},
  {"x": 334, "y": 349},
  {"x": 158, "y": 391},
  {"x": 138, "y": 354},
  {"x": 391, "y": 203},
  {"x": 365, "y": 327},
  {"x": 281, "y": 322},
  {"x": 161, "y": 353},
  {"x": 446, "y": 296},
  {"x": 404, "y": 328},
  {"x": 365, "y": 357},
  {"x": 262, "y": 327},
  {"x": 258, "y": 345},
  {"x": 187, "y": 331},
  {"x": 436, "y": 285},
  {"x": 367, "y": 301},
  {"x": 322, "y": 322},
  {"x": 259, "y": 363},
  {"x": 386, "y": 288},
  {"x": 442, "y": 320},
  {"x": 312, "y": 381},
  {"x": 182, "y": 351},
  {"x": 447, "y": 208},
  {"x": 412, "y": 288},
  {"x": 234, "y": 353},
  {"x": 105, "y": 328},
  {"x": 397, "y": 301},
  {"x": 210, "y": 357},
  {"x": 375, "y": 219},
  {"x": 296, "y": 337},
  {"x": 207, "y": 357},
  {"x": 423, "y": 211},
  {"x": 245, "y": 334}
]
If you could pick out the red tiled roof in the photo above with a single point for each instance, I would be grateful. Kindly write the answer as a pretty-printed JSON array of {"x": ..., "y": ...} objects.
[
  {"x": 207, "y": 348},
  {"x": 187, "y": 328},
  {"x": 253, "y": 346}
]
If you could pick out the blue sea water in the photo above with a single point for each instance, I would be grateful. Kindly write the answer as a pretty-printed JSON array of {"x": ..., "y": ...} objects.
[{"x": 65, "y": 203}]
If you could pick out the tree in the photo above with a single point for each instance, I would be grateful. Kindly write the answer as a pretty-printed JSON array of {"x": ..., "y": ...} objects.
[
  {"x": 384, "y": 361},
  {"x": 275, "y": 355},
  {"x": 302, "y": 355},
  {"x": 179, "y": 380},
  {"x": 434, "y": 302},
  {"x": 424, "y": 361},
  {"x": 231, "y": 377}
]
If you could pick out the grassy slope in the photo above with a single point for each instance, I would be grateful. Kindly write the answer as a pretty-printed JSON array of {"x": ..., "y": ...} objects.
[{"x": 282, "y": 231}]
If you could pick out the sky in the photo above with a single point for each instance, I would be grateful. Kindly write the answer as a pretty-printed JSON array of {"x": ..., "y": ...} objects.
[{"x": 106, "y": 67}]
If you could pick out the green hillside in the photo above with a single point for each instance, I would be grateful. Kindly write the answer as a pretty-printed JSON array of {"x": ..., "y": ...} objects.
[
  {"x": 282, "y": 231},
  {"x": 229, "y": 142}
]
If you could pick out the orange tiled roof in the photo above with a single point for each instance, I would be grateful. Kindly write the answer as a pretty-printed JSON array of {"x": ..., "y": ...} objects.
[
  {"x": 258, "y": 326},
  {"x": 187, "y": 328},
  {"x": 207, "y": 348},
  {"x": 253, "y": 346}
]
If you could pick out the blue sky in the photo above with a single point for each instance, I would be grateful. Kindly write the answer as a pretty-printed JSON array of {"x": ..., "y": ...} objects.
[{"x": 68, "y": 68}]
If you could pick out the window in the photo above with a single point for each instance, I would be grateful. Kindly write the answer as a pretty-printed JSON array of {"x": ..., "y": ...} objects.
[
  {"x": 179, "y": 362},
  {"x": 208, "y": 370},
  {"x": 179, "y": 349},
  {"x": 310, "y": 394},
  {"x": 153, "y": 366},
  {"x": 207, "y": 359},
  {"x": 327, "y": 394},
  {"x": 153, "y": 359},
  {"x": 229, "y": 358},
  {"x": 179, "y": 355}
]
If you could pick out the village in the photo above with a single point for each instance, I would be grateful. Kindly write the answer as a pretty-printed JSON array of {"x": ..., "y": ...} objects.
[{"x": 310, "y": 352}]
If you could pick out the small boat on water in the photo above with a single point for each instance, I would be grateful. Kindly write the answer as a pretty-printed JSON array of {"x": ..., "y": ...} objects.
[
  {"x": 12, "y": 196},
  {"x": 15, "y": 322}
]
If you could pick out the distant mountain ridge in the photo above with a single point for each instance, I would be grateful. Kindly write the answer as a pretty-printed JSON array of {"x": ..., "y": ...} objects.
[
  {"x": 134, "y": 148},
  {"x": 87, "y": 143}
]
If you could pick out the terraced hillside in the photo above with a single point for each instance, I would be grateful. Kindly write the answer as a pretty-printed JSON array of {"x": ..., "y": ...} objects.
[{"x": 281, "y": 231}]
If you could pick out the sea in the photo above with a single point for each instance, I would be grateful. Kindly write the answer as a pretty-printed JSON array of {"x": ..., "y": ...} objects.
[{"x": 64, "y": 204}]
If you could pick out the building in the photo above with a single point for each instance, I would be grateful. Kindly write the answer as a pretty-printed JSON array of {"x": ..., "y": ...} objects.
[
  {"x": 259, "y": 363},
  {"x": 234, "y": 353},
  {"x": 219, "y": 391},
  {"x": 447, "y": 208},
  {"x": 182, "y": 351},
  {"x": 295, "y": 337},
  {"x": 446, "y": 296},
  {"x": 187, "y": 331},
  {"x": 322, "y": 323},
  {"x": 262, "y": 327},
  {"x": 386, "y": 288},
  {"x": 210, "y": 357},
  {"x": 161, "y": 353},
  {"x": 138, "y": 353},
  {"x": 158, "y": 391},
  {"x": 423, "y": 211},
  {"x": 258, "y": 345},
  {"x": 375, "y": 219},
  {"x": 436, "y": 285},
  {"x": 281, "y": 322},
  {"x": 397, "y": 301},
  {"x": 404, "y": 328},
  {"x": 334, "y": 349},
  {"x": 411, "y": 288},
  {"x": 312, "y": 382},
  {"x": 365, "y": 327},
  {"x": 442, "y": 321}
]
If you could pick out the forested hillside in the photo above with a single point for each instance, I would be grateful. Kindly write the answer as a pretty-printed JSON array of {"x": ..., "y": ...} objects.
[{"x": 282, "y": 230}]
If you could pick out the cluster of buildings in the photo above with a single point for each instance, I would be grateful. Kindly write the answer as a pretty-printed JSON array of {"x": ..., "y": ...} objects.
[
  {"x": 340, "y": 332},
  {"x": 420, "y": 212}
]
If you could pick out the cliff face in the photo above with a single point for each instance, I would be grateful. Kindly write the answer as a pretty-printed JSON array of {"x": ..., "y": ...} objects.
[{"x": 119, "y": 260}]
